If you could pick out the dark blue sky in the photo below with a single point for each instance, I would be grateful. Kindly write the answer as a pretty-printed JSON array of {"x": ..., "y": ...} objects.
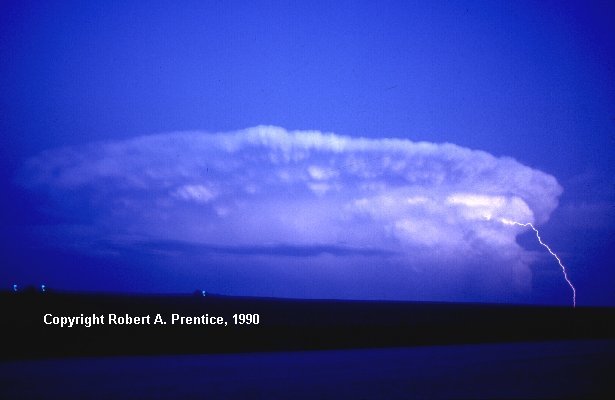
[{"x": 529, "y": 80}]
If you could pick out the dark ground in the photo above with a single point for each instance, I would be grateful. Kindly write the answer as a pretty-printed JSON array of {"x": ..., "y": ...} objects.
[{"x": 285, "y": 325}]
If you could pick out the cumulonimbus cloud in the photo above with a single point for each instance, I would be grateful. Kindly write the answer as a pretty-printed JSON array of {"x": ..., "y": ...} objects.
[{"x": 431, "y": 204}]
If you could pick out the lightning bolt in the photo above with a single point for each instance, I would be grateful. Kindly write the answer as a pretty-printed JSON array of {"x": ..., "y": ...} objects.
[{"x": 574, "y": 291}]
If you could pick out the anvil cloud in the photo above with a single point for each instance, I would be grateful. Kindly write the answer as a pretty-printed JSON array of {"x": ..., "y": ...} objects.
[{"x": 427, "y": 211}]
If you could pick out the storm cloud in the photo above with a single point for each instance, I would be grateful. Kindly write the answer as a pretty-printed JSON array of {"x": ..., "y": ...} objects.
[{"x": 428, "y": 211}]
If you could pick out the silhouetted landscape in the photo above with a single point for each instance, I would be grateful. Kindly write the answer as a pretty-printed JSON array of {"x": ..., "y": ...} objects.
[{"x": 284, "y": 324}]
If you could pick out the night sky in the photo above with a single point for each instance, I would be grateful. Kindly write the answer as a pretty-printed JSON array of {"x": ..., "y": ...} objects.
[{"x": 356, "y": 150}]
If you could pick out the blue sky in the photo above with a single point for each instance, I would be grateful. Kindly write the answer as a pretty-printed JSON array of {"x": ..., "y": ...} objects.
[{"x": 94, "y": 95}]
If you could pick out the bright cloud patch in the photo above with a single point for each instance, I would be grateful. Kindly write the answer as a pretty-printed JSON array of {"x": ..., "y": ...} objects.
[
  {"x": 197, "y": 193},
  {"x": 431, "y": 210}
]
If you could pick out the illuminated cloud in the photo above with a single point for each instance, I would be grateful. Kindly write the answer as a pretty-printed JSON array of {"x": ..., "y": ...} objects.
[{"x": 431, "y": 210}]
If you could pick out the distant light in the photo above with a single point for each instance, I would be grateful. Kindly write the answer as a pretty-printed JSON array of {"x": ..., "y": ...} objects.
[
  {"x": 42, "y": 288},
  {"x": 15, "y": 289},
  {"x": 203, "y": 293}
]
